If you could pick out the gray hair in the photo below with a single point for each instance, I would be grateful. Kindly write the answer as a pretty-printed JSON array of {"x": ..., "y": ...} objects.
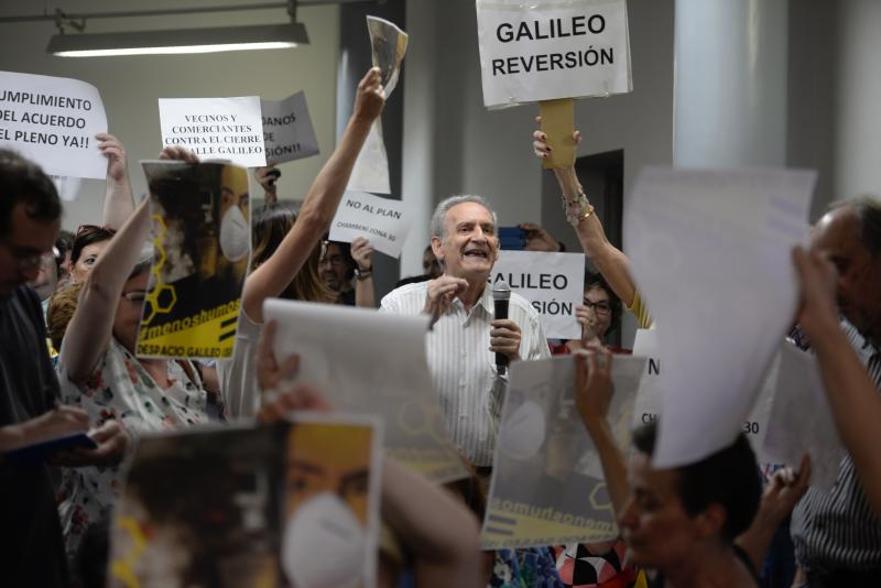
[
  {"x": 868, "y": 211},
  {"x": 440, "y": 212}
]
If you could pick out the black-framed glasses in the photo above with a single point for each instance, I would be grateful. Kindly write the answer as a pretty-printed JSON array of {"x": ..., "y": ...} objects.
[{"x": 601, "y": 307}]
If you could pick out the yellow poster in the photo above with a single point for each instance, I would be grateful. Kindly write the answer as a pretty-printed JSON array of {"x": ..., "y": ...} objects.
[
  {"x": 293, "y": 504},
  {"x": 202, "y": 244}
]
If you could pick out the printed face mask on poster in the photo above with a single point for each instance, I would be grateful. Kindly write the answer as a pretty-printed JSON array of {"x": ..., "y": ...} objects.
[
  {"x": 234, "y": 234},
  {"x": 323, "y": 544}
]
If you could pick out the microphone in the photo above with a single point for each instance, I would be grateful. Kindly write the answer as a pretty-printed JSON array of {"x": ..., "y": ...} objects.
[{"x": 501, "y": 296}]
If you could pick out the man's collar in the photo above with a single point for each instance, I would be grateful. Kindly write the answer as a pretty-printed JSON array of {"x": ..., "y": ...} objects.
[{"x": 486, "y": 300}]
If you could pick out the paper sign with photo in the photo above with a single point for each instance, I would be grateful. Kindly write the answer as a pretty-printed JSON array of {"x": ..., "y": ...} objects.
[
  {"x": 53, "y": 121},
  {"x": 345, "y": 352},
  {"x": 388, "y": 45},
  {"x": 256, "y": 506},
  {"x": 547, "y": 484},
  {"x": 552, "y": 282},
  {"x": 202, "y": 244},
  {"x": 287, "y": 129},
  {"x": 533, "y": 51},
  {"x": 711, "y": 253},
  {"x": 382, "y": 221},
  {"x": 230, "y": 129}
]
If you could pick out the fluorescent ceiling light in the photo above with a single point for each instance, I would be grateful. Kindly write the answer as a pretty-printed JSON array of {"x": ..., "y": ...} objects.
[{"x": 207, "y": 40}]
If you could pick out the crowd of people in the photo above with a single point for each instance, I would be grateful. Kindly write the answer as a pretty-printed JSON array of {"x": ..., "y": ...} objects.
[{"x": 70, "y": 306}]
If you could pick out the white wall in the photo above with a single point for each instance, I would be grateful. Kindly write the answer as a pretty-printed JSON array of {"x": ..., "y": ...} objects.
[
  {"x": 130, "y": 85},
  {"x": 858, "y": 99}
]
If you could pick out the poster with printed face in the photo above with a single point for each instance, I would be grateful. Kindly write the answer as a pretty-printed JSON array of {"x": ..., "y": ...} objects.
[
  {"x": 287, "y": 129},
  {"x": 552, "y": 282},
  {"x": 201, "y": 247},
  {"x": 53, "y": 122},
  {"x": 547, "y": 485},
  {"x": 255, "y": 506},
  {"x": 532, "y": 51},
  {"x": 388, "y": 45},
  {"x": 344, "y": 351},
  {"x": 382, "y": 221},
  {"x": 215, "y": 128}
]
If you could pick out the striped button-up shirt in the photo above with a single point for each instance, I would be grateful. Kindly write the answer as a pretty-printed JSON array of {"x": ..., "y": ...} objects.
[
  {"x": 838, "y": 529},
  {"x": 462, "y": 366}
]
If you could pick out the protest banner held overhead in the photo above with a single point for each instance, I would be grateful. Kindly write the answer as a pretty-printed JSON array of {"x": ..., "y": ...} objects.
[
  {"x": 552, "y": 282},
  {"x": 202, "y": 244},
  {"x": 287, "y": 129},
  {"x": 388, "y": 45},
  {"x": 53, "y": 121},
  {"x": 215, "y": 128},
  {"x": 382, "y": 221},
  {"x": 537, "y": 51},
  {"x": 694, "y": 220},
  {"x": 245, "y": 501}
]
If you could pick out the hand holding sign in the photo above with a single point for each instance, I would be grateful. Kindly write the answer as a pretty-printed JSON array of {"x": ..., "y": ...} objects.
[{"x": 370, "y": 99}]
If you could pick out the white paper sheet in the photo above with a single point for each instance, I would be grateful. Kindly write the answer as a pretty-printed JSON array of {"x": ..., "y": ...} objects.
[
  {"x": 372, "y": 363},
  {"x": 287, "y": 129},
  {"x": 68, "y": 187},
  {"x": 388, "y": 46},
  {"x": 382, "y": 221},
  {"x": 552, "y": 282},
  {"x": 711, "y": 253},
  {"x": 547, "y": 486},
  {"x": 53, "y": 121},
  {"x": 801, "y": 420},
  {"x": 215, "y": 128},
  {"x": 531, "y": 51}
]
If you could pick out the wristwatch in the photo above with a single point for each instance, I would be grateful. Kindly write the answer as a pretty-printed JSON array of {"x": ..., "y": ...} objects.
[{"x": 363, "y": 274}]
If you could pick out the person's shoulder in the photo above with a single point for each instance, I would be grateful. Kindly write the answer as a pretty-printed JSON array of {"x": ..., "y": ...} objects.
[
  {"x": 404, "y": 293},
  {"x": 26, "y": 302}
]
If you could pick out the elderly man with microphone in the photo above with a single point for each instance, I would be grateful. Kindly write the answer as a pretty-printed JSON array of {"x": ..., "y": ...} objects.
[{"x": 473, "y": 336}]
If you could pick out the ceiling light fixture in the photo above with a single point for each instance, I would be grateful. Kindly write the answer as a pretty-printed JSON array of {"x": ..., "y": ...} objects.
[{"x": 71, "y": 41}]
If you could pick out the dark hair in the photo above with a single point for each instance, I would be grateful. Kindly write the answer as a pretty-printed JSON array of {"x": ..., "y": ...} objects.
[
  {"x": 25, "y": 182},
  {"x": 596, "y": 280},
  {"x": 88, "y": 235},
  {"x": 269, "y": 229},
  {"x": 63, "y": 244},
  {"x": 868, "y": 211},
  {"x": 346, "y": 253},
  {"x": 729, "y": 477}
]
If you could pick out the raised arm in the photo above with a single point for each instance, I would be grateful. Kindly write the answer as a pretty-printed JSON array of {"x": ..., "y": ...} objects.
[
  {"x": 593, "y": 395},
  {"x": 118, "y": 201},
  {"x": 852, "y": 396},
  {"x": 319, "y": 207},
  {"x": 609, "y": 260},
  {"x": 362, "y": 253}
]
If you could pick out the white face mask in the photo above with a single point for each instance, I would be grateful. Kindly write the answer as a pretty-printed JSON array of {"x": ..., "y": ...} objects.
[
  {"x": 234, "y": 235},
  {"x": 323, "y": 544}
]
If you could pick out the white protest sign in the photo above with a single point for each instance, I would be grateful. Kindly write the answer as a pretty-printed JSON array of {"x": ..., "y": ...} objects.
[
  {"x": 531, "y": 51},
  {"x": 649, "y": 399},
  {"x": 53, "y": 121},
  {"x": 552, "y": 282},
  {"x": 287, "y": 129},
  {"x": 345, "y": 352},
  {"x": 801, "y": 420},
  {"x": 382, "y": 221},
  {"x": 547, "y": 486},
  {"x": 711, "y": 253},
  {"x": 388, "y": 45},
  {"x": 215, "y": 128}
]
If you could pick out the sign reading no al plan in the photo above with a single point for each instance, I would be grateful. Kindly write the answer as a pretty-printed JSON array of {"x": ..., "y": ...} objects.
[{"x": 532, "y": 51}]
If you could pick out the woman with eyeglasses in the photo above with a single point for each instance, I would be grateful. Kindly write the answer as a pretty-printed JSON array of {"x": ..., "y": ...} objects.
[
  {"x": 599, "y": 315},
  {"x": 99, "y": 372}
]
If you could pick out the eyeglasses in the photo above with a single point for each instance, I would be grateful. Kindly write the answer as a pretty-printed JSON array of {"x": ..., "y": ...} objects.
[
  {"x": 601, "y": 307},
  {"x": 84, "y": 231}
]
